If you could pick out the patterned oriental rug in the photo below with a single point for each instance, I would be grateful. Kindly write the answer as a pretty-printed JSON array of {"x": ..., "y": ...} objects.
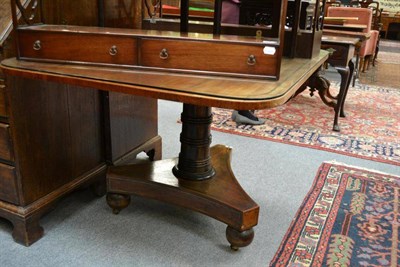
[
  {"x": 350, "y": 217},
  {"x": 371, "y": 129}
]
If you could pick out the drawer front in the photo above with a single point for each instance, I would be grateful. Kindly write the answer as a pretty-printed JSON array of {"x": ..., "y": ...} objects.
[
  {"x": 78, "y": 47},
  {"x": 206, "y": 56},
  {"x": 3, "y": 109},
  {"x": 8, "y": 184},
  {"x": 6, "y": 151},
  {"x": 342, "y": 54}
]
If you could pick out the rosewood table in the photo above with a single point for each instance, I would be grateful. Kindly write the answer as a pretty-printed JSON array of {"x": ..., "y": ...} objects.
[{"x": 201, "y": 178}]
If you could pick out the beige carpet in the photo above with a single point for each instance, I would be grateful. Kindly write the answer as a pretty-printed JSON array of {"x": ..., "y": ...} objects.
[{"x": 386, "y": 72}]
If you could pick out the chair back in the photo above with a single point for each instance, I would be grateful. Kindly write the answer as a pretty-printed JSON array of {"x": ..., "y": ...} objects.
[{"x": 376, "y": 11}]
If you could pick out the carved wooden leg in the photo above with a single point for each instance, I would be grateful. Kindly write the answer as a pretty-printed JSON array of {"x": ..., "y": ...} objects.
[
  {"x": 239, "y": 239},
  {"x": 351, "y": 71},
  {"x": 344, "y": 74},
  {"x": 118, "y": 201},
  {"x": 27, "y": 231},
  {"x": 356, "y": 71},
  {"x": 321, "y": 84}
]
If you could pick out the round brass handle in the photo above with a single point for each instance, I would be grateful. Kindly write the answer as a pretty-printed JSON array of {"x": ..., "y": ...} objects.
[
  {"x": 251, "y": 60},
  {"x": 37, "y": 45},
  {"x": 164, "y": 53},
  {"x": 113, "y": 50}
]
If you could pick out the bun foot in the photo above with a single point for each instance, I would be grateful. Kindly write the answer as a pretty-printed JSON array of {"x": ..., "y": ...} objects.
[
  {"x": 239, "y": 239},
  {"x": 118, "y": 201}
]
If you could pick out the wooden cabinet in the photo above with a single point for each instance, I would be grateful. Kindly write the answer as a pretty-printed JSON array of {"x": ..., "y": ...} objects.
[
  {"x": 386, "y": 21},
  {"x": 55, "y": 138}
]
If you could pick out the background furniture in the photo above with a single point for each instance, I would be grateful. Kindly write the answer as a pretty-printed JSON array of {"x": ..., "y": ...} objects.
[
  {"x": 364, "y": 18},
  {"x": 376, "y": 19},
  {"x": 55, "y": 138},
  {"x": 343, "y": 49},
  {"x": 303, "y": 29},
  {"x": 391, "y": 25}
]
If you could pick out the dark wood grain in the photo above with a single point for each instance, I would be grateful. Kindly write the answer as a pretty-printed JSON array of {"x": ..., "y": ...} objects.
[
  {"x": 133, "y": 120},
  {"x": 56, "y": 138},
  {"x": 6, "y": 151},
  {"x": 8, "y": 184},
  {"x": 53, "y": 140}
]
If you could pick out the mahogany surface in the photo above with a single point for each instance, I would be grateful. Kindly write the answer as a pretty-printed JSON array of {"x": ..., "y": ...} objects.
[
  {"x": 204, "y": 90},
  {"x": 203, "y": 174},
  {"x": 198, "y": 166}
]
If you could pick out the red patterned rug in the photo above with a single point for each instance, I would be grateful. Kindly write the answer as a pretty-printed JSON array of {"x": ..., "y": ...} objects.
[
  {"x": 371, "y": 129},
  {"x": 350, "y": 217}
]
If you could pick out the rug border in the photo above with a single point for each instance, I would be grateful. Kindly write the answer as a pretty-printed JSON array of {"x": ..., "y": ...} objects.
[
  {"x": 298, "y": 212},
  {"x": 309, "y": 146},
  {"x": 308, "y": 195}
]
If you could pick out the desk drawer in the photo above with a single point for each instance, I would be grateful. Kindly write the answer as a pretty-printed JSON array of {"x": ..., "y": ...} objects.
[
  {"x": 206, "y": 56},
  {"x": 6, "y": 151},
  {"x": 3, "y": 109},
  {"x": 8, "y": 184},
  {"x": 80, "y": 47},
  {"x": 341, "y": 54}
]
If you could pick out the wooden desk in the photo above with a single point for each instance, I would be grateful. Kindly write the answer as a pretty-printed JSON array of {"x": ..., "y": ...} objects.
[
  {"x": 201, "y": 178},
  {"x": 343, "y": 52},
  {"x": 362, "y": 38},
  {"x": 57, "y": 138}
]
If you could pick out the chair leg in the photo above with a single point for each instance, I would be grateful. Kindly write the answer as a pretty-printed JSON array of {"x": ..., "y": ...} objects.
[
  {"x": 376, "y": 50},
  {"x": 375, "y": 55},
  {"x": 360, "y": 66},
  {"x": 364, "y": 63}
]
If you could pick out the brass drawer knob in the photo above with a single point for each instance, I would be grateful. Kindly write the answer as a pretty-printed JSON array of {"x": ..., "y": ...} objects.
[
  {"x": 37, "y": 45},
  {"x": 251, "y": 60},
  {"x": 164, "y": 53},
  {"x": 113, "y": 50}
]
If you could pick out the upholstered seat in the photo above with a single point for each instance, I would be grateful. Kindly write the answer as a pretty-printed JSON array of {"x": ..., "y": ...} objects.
[{"x": 364, "y": 16}]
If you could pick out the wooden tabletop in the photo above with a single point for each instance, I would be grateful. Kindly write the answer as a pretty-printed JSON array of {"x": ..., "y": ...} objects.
[
  {"x": 362, "y": 36},
  {"x": 331, "y": 39},
  {"x": 203, "y": 90},
  {"x": 346, "y": 27}
]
